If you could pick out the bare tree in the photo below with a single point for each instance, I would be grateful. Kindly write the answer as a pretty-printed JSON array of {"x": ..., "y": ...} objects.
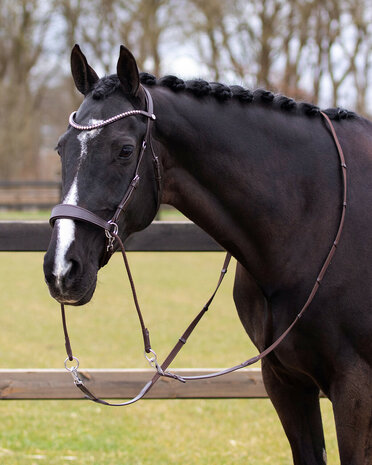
[
  {"x": 101, "y": 25},
  {"x": 22, "y": 32},
  {"x": 320, "y": 50},
  {"x": 360, "y": 52},
  {"x": 294, "y": 32}
]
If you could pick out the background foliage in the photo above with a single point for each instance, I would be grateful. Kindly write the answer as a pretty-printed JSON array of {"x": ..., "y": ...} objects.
[{"x": 318, "y": 50}]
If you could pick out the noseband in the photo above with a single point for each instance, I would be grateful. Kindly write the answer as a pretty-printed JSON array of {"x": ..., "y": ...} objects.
[{"x": 112, "y": 233}]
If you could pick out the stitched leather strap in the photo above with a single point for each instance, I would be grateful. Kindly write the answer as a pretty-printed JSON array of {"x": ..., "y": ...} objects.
[
  {"x": 73, "y": 212},
  {"x": 162, "y": 369},
  {"x": 318, "y": 281},
  {"x": 136, "y": 178}
]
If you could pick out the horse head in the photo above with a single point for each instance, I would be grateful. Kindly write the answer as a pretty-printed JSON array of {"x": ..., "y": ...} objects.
[{"x": 104, "y": 155}]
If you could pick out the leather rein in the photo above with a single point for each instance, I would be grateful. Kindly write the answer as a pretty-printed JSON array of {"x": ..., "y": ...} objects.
[{"x": 112, "y": 234}]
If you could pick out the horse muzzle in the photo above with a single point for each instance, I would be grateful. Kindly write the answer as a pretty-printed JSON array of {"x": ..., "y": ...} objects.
[{"x": 70, "y": 271}]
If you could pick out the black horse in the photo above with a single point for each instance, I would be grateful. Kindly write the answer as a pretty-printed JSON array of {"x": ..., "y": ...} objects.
[{"x": 260, "y": 173}]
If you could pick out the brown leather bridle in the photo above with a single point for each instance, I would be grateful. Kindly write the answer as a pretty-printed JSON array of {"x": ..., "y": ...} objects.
[
  {"x": 112, "y": 234},
  {"x": 110, "y": 226}
]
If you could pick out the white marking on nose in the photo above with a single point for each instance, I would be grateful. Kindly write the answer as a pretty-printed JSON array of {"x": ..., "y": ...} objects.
[{"x": 66, "y": 227}]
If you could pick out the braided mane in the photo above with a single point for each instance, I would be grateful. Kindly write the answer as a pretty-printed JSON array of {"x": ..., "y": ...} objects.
[{"x": 200, "y": 88}]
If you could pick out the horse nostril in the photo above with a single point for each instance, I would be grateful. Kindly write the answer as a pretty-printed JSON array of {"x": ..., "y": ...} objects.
[
  {"x": 72, "y": 272},
  {"x": 49, "y": 277},
  {"x": 48, "y": 268}
]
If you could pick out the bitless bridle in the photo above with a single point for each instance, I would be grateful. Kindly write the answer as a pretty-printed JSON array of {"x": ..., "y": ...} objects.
[{"x": 112, "y": 234}]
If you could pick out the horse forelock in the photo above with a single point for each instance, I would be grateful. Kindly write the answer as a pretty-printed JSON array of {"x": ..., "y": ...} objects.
[{"x": 105, "y": 87}]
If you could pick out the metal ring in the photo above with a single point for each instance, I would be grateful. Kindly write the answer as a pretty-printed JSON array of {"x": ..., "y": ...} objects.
[
  {"x": 71, "y": 369},
  {"x": 151, "y": 360},
  {"x": 115, "y": 228}
]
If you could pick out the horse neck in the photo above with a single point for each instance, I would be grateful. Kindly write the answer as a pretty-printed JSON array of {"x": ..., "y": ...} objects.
[{"x": 252, "y": 177}]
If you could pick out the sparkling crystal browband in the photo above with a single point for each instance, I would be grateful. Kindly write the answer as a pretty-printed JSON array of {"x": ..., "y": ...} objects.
[{"x": 90, "y": 127}]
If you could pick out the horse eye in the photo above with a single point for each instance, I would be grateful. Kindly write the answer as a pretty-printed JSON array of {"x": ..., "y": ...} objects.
[{"x": 126, "y": 151}]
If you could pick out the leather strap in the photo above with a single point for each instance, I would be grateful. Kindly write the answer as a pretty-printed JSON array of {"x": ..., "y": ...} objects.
[
  {"x": 319, "y": 278},
  {"x": 136, "y": 178},
  {"x": 74, "y": 212},
  {"x": 90, "y": 127},
  {"x": 145, "y": 331},
  {"x": 161, "y": 370}
]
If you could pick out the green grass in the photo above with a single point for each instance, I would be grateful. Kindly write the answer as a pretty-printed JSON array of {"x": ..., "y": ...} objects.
[
  {"x": 24, "y": 215},
  {"x": 105, "y": 333}
]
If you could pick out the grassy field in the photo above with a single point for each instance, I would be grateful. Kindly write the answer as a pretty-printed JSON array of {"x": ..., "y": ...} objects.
[
  {"x": 105, "y": 333},
  {"x": 24, "y": 215}
]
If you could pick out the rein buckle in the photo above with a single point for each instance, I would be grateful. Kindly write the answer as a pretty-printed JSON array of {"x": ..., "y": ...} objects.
[
  {"x": 111, "y": 234},
  {"x": 153, "y": 361},
  {"x": 74, "y": 371}
]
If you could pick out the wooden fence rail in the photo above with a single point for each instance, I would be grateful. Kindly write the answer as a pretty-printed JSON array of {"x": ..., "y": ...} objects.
[
  {"x": 160, "y": 236},
  {"x": 57, "y": 384},
  {"x": 127, "y": 383}
]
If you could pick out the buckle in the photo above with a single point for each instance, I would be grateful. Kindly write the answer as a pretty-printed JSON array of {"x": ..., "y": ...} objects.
[
  {"x": 135, "y": 181},
  {"x": 153, "y": 361},
  {"x": 110, "y": 234},
  {"x": 74, "y": 371}
]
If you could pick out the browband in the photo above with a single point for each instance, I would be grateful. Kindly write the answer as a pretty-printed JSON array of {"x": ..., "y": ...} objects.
[{"x": 101, "y": 124}]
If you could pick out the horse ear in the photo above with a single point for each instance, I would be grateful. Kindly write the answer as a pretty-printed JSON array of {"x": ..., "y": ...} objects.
[
  {"x": 84, "y": 76},
  {"x": 128, "y": 72}
]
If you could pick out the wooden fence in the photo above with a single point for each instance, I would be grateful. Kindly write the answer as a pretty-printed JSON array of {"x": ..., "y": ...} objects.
[
  {"x": 113, "y": 383},
  {"x": 21, "y": 195}
]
